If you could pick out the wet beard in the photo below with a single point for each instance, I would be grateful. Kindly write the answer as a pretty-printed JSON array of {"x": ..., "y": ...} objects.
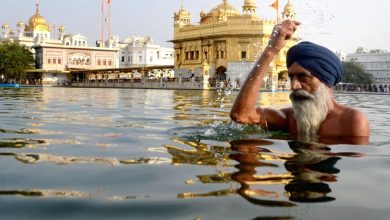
[{"x": 310, "y": 110}]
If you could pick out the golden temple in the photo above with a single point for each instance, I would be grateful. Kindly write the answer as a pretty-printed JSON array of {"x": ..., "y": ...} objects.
[{"x": 226, "y": 42}]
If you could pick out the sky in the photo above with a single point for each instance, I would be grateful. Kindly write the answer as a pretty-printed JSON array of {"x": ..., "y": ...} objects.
[{"x": 342, "y": 25}]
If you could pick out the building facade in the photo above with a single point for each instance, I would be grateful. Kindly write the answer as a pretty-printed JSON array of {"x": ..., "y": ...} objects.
[
  {"x": 223, "y": 38},
  {"x": 55, "y": 61},
  {"x": 55, "y": 56},
  {"x": 141, "y": 51},
  {"x": 375, "y": 62}
]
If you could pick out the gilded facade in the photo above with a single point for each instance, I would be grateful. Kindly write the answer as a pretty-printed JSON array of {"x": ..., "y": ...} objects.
[{"x": 225, "y": 37}]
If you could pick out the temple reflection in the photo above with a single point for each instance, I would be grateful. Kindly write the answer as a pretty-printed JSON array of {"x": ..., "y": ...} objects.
[
  {"x": 266, "y": 174},
  {"x": 45, "y": 193}
]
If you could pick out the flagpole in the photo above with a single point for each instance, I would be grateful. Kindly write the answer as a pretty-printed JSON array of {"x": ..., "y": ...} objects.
[
  {"x": 109, "y": 19},
  {"x": 275, "y": 5},
  {"x": 102, "y": 34}
]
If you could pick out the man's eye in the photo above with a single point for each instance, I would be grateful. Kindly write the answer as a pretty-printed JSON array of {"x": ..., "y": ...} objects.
[{"x": 303, "y": 77}]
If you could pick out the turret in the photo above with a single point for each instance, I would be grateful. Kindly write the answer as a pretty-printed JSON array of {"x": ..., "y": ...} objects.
[
  {"x": 5, "y": 29},
  {"x": 61, "y": 32},
  {"x": 182, "y": 17},
  {"x": 21, "y": 27},
  {"x": 288, "y": 12},
  {"x": 249, "y": 7}
]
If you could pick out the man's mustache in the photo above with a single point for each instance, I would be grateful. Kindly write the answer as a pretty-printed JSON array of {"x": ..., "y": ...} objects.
[{"x": 300, "y": 94}]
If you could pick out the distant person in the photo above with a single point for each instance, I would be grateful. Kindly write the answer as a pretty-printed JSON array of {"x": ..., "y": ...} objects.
[
  {"x": 386, "y": 89},
  {"x": 315, "y": 115}
]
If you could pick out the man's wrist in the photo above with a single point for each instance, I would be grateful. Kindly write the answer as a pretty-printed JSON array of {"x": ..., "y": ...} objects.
[{"x": 270, "y": 51}]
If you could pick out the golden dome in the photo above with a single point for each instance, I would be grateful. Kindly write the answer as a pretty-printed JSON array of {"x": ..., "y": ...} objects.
[
  {"x": 224, "y": 8},
  {"x": 37, "y": 22},
  {"x": 219, "y": 13}
]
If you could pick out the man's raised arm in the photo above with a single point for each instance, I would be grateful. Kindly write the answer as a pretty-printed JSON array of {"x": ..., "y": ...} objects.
[{"x": 244, "y": 108}]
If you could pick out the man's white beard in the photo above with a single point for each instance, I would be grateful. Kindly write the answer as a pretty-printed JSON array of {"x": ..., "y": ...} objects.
[{"x": 310, "y": 110}]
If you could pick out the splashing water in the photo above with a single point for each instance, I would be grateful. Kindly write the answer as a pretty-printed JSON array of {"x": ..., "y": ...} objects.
[
  {"x": 226, "y": 131},
  {"x": 316, "y": 18},
  {"x": 221, "y": 131},
  {"x": 225, "y": 90}
]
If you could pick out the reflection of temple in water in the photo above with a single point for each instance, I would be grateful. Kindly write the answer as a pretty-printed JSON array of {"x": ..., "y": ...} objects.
[
  {"x": 226, "y": 42},
  {"x": 260, "y": 177}
]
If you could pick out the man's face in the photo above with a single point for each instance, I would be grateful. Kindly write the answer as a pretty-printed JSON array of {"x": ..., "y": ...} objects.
[
  {"x": 309, "y": 97},
  {"x": 302, "y": 79}
]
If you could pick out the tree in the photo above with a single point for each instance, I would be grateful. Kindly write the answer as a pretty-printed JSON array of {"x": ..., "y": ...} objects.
[
  {"x": 355, "y": 73},
  {"x": 15, "y": 60}
]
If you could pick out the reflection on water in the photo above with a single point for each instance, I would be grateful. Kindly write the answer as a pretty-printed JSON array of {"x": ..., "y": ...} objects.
[
  {"x": 20, "y": 143},
  {"x": 309, "y": 168},
  {"x": 157, "y": 154},
  {"x": 45, "y": 193},
  {"x": 66, "y": 160}
]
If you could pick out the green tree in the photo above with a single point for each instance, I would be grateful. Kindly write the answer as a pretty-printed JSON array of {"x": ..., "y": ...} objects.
[
  {"x": 355, "y": 73},
  {"x": 15, "y": 60}
]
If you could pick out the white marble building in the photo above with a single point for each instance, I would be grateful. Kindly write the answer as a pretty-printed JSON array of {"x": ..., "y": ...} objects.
[
  {"x": 141, "y": 51},
  {"x": 375, "y": 62}
]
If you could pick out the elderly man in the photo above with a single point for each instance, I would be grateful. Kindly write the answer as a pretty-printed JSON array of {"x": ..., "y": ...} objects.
[{"x": 315, "y": 115}]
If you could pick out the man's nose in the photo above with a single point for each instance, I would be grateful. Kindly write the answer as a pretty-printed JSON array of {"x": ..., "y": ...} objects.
[{"x": 295, "y": 84}]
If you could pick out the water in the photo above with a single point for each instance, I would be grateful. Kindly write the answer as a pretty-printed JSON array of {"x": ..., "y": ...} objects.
[{"x": 162, "y": 154}]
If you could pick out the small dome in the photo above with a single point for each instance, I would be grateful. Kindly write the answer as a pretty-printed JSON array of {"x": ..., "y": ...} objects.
[
  {"x": 182, "y": 14},
  {"x": 249, "y": 3},
  {"x": 20, "y": 24},
  {"x": 288, "y": 8},
  {"x": 5, "y": 26}
]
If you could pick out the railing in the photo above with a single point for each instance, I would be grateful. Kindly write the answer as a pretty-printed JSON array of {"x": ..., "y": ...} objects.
[{"x": 145, "y": 84}]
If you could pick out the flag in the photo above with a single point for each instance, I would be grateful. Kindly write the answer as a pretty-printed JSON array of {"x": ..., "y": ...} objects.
[{"x": 275, "y": 5}]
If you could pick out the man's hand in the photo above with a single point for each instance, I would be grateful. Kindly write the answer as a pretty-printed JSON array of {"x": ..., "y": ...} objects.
[{"x": 281, "y": 33}]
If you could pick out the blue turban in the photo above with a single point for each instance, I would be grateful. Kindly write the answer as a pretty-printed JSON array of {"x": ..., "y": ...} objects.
[{"x": 320, "y": 61}]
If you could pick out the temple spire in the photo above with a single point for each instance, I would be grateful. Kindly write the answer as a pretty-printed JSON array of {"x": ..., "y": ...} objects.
[{"x": 37, "y": 6}]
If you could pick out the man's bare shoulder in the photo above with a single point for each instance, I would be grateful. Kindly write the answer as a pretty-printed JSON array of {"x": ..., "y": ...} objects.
[
  {"x": 357, "y": 120},
  {"x": 349, "y": 113}
]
